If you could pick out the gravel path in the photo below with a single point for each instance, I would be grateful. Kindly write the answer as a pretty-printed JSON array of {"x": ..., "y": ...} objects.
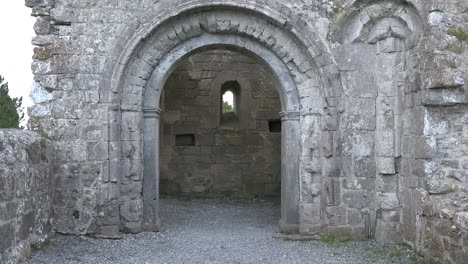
[{"x": 216, "y": 231}]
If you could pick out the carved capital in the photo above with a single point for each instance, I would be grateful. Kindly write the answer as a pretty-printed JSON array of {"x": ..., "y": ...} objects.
[
  {"x": 286, "y": 116},
  {"x": 151, "y": 113}
]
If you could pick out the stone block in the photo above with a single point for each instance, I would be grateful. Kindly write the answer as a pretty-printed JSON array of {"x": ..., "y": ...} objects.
[
  {"x": 111, "y": 232},
  {"x": 436, "y": 186},
  {"x": 7, "y": 185},
  {"x": 331, "y": 167},
  {"x": 132, "y": 227},
  {"x": 385, "y": 141},
  {"x": 364, "y": 167},
  {"x": 131, "y": 189},
  {"x": 360, "y": 106},
  {"x": 461, "y": 219},
  {"x": 363, "y": 144},
  {"x": 132, "y": 210},
  {"x": 355, "y": 57},
  {"x": 355, "y": 217},
  {"x": 387, "y": 231},
  {"x": 329, "y": 121},
  {"x": 336, "y": 216},
  {"x": 26, "y": 226},
  {"x": 356, "y": 199},
  {"x": 386, "y": 165},
  {"x": 8, "y": 210},
  {"x": 8, "y": 235},
  {"x": 388, "y": 201},
  {"x": 107, "y": 214},
  {"x": 390, "y": 45},
  {"x": 332, "y": 190},
  {"x": 309, "y": 214},
  {"x": 327, "y": 143},
  {"x": 386, "y": 121},
  {"x": 359, "y": 84},
  {"x": 98, "y": 150},
  {"x": 359, "y": 183}
]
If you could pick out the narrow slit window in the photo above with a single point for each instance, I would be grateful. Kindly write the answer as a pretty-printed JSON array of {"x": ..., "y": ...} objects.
[{"x": 229, "y": 104}]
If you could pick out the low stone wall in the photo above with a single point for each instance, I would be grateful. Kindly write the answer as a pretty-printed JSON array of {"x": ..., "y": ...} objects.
[
  {"x": 25, "y": 193},
  {"x": 445, "y": 236}
]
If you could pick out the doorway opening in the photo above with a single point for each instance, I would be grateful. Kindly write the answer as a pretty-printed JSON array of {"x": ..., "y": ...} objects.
[{"x": 215, "y": 126}]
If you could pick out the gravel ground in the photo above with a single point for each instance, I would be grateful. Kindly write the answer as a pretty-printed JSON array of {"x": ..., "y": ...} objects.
[{"x": 217, "y": 231}]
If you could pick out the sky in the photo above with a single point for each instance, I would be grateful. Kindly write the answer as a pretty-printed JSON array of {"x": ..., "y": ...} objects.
[{"x": 16, "y": 50}]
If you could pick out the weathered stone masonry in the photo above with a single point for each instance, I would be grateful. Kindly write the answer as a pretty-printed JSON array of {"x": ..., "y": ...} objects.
[
  {"x": 373, "y": 106},
  {"x": 25, "y": 194}
]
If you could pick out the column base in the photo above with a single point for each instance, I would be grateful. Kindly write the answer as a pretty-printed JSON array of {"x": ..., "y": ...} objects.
[
  {"x": 152, "y": 226},
  {"x": 288, "y": 228},
  {"x": 109, "y": 232}
]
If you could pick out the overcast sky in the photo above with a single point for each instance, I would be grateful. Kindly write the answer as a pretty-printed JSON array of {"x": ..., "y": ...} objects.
[{"x": 16, "y": 32}]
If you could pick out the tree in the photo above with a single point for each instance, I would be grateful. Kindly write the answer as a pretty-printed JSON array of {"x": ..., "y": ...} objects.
[
  {"x": 227, "y": 107},
  {"x": 11, "y": 113}
]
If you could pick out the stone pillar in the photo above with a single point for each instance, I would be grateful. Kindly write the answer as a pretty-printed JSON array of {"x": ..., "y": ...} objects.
[
  {"x": 151, "y": 169},
  {"x": 290, "y": 153}
]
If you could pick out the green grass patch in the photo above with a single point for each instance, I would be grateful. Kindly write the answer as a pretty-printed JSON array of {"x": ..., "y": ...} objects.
[
  {"x": 44, "y": 134},
  {"x": 341, "y": 239}
]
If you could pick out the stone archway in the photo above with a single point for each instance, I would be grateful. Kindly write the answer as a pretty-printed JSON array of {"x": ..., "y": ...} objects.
[
  {"x": 290, "y": 117},
  {"x": 295, "y": 54}
]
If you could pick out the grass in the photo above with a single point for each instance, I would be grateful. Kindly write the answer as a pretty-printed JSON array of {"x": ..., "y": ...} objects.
[
  {"x": 400, "y": 254},
  {"x": 43, "y": 134},
  {"x": 341, "y": 239},
  {"x": 459, "y": 32},
  {"x": 452, "y": 65}
]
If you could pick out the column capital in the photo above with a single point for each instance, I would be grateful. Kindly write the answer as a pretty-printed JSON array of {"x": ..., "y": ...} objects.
[
  {"x": 151, "y": 113},
  {"x": 290, "y": 115}
]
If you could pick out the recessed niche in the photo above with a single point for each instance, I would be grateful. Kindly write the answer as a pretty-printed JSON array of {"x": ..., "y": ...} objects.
[
  {"x": 185, "y": 140},
  {"x": 274, "y": 126}
]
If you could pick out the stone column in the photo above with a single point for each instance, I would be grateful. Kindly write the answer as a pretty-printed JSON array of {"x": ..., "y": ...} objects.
[
  {"x": 390, "y": 65},
  {"x": 290, "y": 153},
  {"x": 151, "y": 169}
]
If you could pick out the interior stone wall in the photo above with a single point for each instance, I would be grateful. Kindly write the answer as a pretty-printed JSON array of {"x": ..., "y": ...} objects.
[
  {"x": 240, "y": 158},
  {"x": 25, "y": 193}
]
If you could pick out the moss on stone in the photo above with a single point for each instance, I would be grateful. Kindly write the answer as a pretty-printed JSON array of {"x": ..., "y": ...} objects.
[{"x": 459, "y": 32}]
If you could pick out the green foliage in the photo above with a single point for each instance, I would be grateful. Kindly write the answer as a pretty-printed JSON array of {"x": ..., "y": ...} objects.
[
  {"x": 459, "y": 32},
  {"x": 11, "y": 113},
  {"x": 340, "y": 239},
  {"x": 227, "y": 108}
]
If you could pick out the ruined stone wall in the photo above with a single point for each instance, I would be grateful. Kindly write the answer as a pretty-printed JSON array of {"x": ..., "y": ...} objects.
[
  {"x": 381, "y": 88},
  {"x": 25, "y": 193},
  {"x": 433, "y": 192},
  {"x": 238, "y": 157}
]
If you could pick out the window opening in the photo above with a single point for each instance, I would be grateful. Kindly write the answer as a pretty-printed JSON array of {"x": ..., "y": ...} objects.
[{"x": 228, "y": 102}]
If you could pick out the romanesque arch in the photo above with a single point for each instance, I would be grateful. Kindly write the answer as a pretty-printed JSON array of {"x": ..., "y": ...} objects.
[{"x": 292, "y": 50}]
